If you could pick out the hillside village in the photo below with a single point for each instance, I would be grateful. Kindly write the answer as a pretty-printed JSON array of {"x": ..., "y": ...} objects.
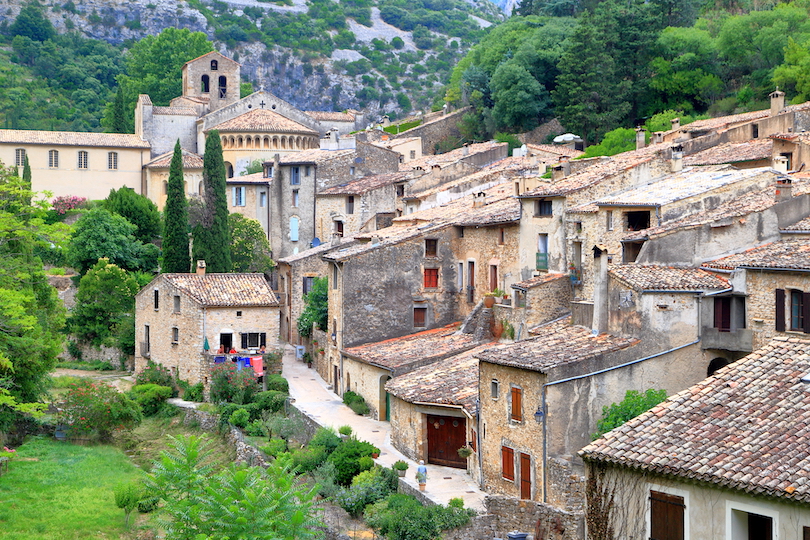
[{"x": 498, "y": 302}]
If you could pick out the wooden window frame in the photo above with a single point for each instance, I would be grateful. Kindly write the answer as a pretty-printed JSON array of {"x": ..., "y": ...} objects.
[
  {"x": 516, "y": 404},
  {"x": 431, "y": 247},
  {"x": 431, "y": 278},
  {"x": 667, "y": 516},
  {"x": 420, "y": 318}
]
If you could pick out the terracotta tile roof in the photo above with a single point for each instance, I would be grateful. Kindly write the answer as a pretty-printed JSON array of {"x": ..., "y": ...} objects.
[
  {"x": 723, "y": 214},
  {"x": 383, "y": 238},
  {"x": 792, "y": 254},
  {"x": 536, "y": 281},
  {"x": 255, "y": 178},
  {"x": 453, "y": 381},
  {"x": 665, "y": 278},
  {"x": 368, "y": 183},
  {"x": 494, "y": 173},
  {"x": 164, "y": 161},
  {"x": 174, "y": 111},
  {"x": 802, "y": 226},
  {"x": 554, "y": 149},
  {"x": 555, "y": 344},
  {"x": 329, "y": 116},
  {"x": 325, "y": 247},
  {"x": 721, "y": 122},
  {"x": 453, "y": 156},
  {"x": 225, "y": 289},
  {"x": 72, "y": 138},
  {"x": 754, "y": 150},
  {"x": 405, "y": 353},
  {"x": 390, "y": 143},
  {"x": 262, "y": 120},
  {"x": 803, "y": 137},
  {"x": 500, "y": 207},
  {"x": 744, "y": 428},
  {"x": 313, "y": 155}
]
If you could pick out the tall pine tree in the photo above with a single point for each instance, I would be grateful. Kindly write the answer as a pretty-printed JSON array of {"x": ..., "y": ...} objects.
[
  {"x": 212, "y": 237},
  {"x": 119, "y": 121},
  {"x": 175, "y": 224}
]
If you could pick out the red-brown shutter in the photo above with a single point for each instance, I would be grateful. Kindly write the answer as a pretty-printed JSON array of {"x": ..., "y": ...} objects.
[
  {"x": 517, "y": 405},
  {"x": 780, "y": 310},
  {"x": 508, "y": 463},
  {"x": 666, "y": 516},
  {"x": 806, "y": 312}
]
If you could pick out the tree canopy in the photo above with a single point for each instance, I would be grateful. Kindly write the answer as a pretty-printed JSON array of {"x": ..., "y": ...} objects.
[
  {"x": 212, "y": 237},
  {"x": 176, "y": 257},
  {"x": 250, "y": 250},
  {"x": 138, "y": 210},
  {"x": 316, "y": 310}
]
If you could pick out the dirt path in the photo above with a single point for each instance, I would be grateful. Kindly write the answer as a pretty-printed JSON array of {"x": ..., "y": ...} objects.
[{"x": 122, "y": 380}]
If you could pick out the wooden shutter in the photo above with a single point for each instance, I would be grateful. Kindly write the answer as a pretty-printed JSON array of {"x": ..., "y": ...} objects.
[
  {"x": 508, "y": 463},
  {"x": 722, "y": 313},
  {"x": 780, "y": 310},
  {"x": 517, "y": 404},
  {"x": 666, "y": 516},
  {"x": 262, "y": 340},
  {"x": 244, "y": 341},
  {"x": 806, "y": 312},
  {"x": 805, "y": 533}
]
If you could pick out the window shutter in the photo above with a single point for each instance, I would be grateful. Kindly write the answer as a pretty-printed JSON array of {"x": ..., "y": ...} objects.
[
  {"x": 233, "y": 196},
  {"x": 262, "y": 340},
  {"x": 508, "y": 462},
  {"x": 244, "y": 341},
  {"x": 517, "y": 406},
  {"x": 806, "y": 312},
  {"x": 780, "y": 310}
]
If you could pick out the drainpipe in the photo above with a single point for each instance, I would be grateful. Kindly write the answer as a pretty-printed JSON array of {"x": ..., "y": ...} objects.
[{"x": 585, "y": 376}]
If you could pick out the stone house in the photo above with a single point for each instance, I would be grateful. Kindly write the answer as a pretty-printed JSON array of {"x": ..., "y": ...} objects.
[
  {"x": 156, "y": 176},
  {"x": 721, "y": 459},
  {"x": 249, "y": 195},
  {"x": 743, "y": 155},
  {"x": 177, "y": 314},
  {"x": 408, "y": 148},
  {"x": 538, "y": 300}
]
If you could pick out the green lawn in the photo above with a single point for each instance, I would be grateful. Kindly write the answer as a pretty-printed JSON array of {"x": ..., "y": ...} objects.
[{"x": 60, "y": 491}]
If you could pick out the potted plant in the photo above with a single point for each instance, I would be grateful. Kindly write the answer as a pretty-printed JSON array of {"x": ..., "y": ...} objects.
[
  {"x": 375, "y": 453},
  {"x": 465, "y": 451},
  {"x": 308, "y": 359},
  {"x": 345, "y": 432},
  {"x": 489, "y": 300},
  {"x": 400, "y": 466},
  {"x": 421, "y": 478}
]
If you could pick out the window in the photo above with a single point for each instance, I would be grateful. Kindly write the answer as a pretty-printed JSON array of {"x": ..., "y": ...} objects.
[
  {"x": 419, "y": 317},
  {"x": 82, "y": 159},
  {"x": 638, "y": 221},
  {"x": 460, "y": 277},
  {"x": 112, "y": 161},
  {"x": 294, "y": 229},
  {"x": 238, "y": 195},
  {"x": 495, "y": 388},
  {"x": 666, "y": 516},
  {"x": 335, "y": 276},
  {"x": 19, "y": 157},
  {"x": 338, "y": 228},
  {"x": 401, "y": 190},
  {"x": 223, "y": 86},
  {"x": 306, "y": 170},
  {"x": 157, "y": 299},
  {"x": 295, "y": 176},
  {"x": 750, "y": 522},
  {"x": 507, "y": 463},
  {"x": 53, "y": 159},
  {"x": 789, "y": 157},
  {"x": 797, "y": 310},
  {"x": 431, "y": 247},
  {"x": 413, "y": 154},
  {"x": 205, "y": 85},
  {"x": 176, "y": 304},
  {"x": 262, "y": 199},
  {"x": 146, "y": 341},
  {"x": 295, "y": 200},
  {"x": 542, "y": 252},
  {"x": 238, "y": 314},
  {"x": 501, "y": 236},
  {"x": 609, "y": 220},
  {"x": 754, "y": 131},
  {"x": 722, "y": 313},
  {"x": 214, "y": 65},
  {"x": 307, "y": 284},
  {"x": 431, "y": 278},
  {"x": 516, "y": 414},
  {"x": 254, "y": 340},
  {"x": 175, "y": 334},
  {"x": 351, "y": 171},
  {"x": 493, "y": 277},
  {"x": 350, "y": 204},
  {"x": 542, "y": 208}
]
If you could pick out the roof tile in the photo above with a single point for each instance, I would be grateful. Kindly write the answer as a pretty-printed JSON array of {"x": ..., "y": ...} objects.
[{"x": 226, "y": 289}]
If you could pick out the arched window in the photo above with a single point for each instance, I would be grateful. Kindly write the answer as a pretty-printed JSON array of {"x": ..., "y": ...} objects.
[
  {"x": 165, "y": 187},
  {"x": 53, "y": 159},
  {"x": 206, "y": 84},
  {"x": 223, "y": 86},
  {"x": 214, "y": 65},
  {"x": 200, "y": 188},
  {"x": 229, "y": 169}
]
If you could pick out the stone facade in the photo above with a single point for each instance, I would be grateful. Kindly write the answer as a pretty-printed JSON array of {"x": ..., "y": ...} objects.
[
  {"x": 435, "y": 131},
  {"x": 409, "y": 426},
  {"x": 366, "y": 380},
  {"x": 249, "y": 196}
]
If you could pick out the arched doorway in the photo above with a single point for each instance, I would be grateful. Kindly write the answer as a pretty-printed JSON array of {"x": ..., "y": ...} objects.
[
  {"x": 716, "y": 364},
  {"x": 385, "y": 400}
]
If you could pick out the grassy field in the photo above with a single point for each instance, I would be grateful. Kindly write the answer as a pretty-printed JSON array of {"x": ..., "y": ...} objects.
[{"x": 60, "y": 491}]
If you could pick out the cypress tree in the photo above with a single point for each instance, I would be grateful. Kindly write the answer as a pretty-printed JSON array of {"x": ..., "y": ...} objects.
[
  {"x": 119, "y": 121},
  {"x": 212, "y": 237},
  {"x": 26, "y": 176},
  {"x": 175, "y": 224}
]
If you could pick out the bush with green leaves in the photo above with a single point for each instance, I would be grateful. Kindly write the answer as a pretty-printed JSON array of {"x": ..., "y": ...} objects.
[
  {"x": 156, "y": 374},
  {"x": 326, "y": 438},
  {"x": 324, "y": 477},
  {"x": 402, "y": 517},
  {"x": 256, "y": 429},
  {"x": 633, "y": 404},
  {"x": 309, "y": 458},
  {"x": 240, "y": 418},
  {"x": 272, "y": 400},
  {"x": 360, "y": 408},
  {"x": 96, "y": 408},
  {"x": 346, "y": 458},
  {"x": 367, "y": 487},
  {"x": 127, "y": 496},
  {"x": 275, "y": 447},
  {"x": 150, "y": 397},
  {"x": 277, "y": 382},
  {"x": 232, "y": 385}
]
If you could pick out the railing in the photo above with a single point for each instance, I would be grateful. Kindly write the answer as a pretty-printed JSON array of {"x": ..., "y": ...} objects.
[
  {"x": 145, "y": 349},
  {"x": 541, "y": 261}
]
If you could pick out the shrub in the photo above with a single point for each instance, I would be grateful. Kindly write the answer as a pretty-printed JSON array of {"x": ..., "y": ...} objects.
[
  {"x": 278, "y": 383},
  {"x": 282, "y": 426},
  {"x": 274, "y": 447},
  {"x": 150, "y": 397},
  {"x": 346, "y": 458},
  {"x": 156, "y": 374},
  {"x": 324, "y": 476},
  {"x": 633, "y": 404},
  {"x": 326, "y": 438},
  {"x": 194, "y": 392},
  {"x": 350, "y": 397},
  {"x": 367, "y": 487},
  {"x": 240, "y": 418},
  {"x": 400, "y": 465},
  {"x": 308, "y": 459},
  {"x": 127, "y": 496},
  {"x": 360, "y": 408},
  {"x": 96, "y": 407},
  {"x": 229, "y": 384},
  {"x": 64, "y": 203},
  {"x": 256, "y": 429},
  {"x": 345, "y": 430},
  {"x": 402, "y": 517},
  {"x": 272, "y": 400}
]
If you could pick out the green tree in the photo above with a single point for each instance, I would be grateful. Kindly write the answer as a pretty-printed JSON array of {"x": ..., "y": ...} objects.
[
  {"x": 32, "y": 24},
  {"x": 316, "y": 310},
  {"x": 212, "y": 242},
  {"x": 105, "y": 304},
  {"x": 615, "y": 142},
  {"x": 176, "y": 257},
  {"x": 250, "y": 250},
  {"x": 519, "y": 99},
  {"x": 633, "y": 404},
  {"x": 137, "y": 209},
  {"x": 793, "y": 75},
  {"x": 118, "y": 119},
  {"x": 100, "y": 233}
]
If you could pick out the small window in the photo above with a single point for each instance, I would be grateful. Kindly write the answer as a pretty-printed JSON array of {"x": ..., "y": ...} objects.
[
  {"x": 413, "y": 154},
  {"x": 351, "y": 171},
  {"x": 294, "y": 229},
  {"x": 306, "y": 170},
  {"x": 205, "y": 84},
  {"x": 176, "y": 304},
  {"x": 338, "y": 228},
  {"x": 797, "y": 310},
  {"x": 609, "y": 220},
  {"x": 460, "y": 277},
  {"x": 214, "y": 65},
  {"x": 295, "y": 200},
  {"x": 239, "y": 196},
  {"x": 262, "y": 199},
  {"x": 253, "y": 340},
  {"x": 401, "y": 190},
  {"x": 516, "y": 414},
  {"x": 501, "y": 236},
  {"x": 157, "y": 299},
  {"x": 495, "y": 389},
  {"x": 542, "y": 208},
  {"x": 238, "y": 314},
  {"x": 350, "y": 204},
  {"x": 419, "y": 317},
  {"x": 638, "y": 221},
  {"x": 223, "y": 86},
  {"x": 175, "y": 334},
  {"x": 83, "y": 159},
  {"x": 295, "y": 176},
  {"x": 307, "y": 284},
  {"x": 112, "y": 161},
  {"x": 53, "y": 159},
  {"x": 431, "y": 278},
  {"x": 507, "y": 463},
  {"x": 431, "y": 247},
  {"x": 335, "y": 272},
  {"x": 754, "y": 131},
  {"x": 19, "y": 157}
]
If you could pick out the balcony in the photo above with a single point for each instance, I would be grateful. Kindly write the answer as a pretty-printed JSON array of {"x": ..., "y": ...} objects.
[
  {"x": 541, "y": 261},
  {"x": 740, "y": 339}
]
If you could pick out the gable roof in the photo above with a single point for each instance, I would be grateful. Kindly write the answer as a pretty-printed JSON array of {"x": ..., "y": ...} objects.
[
  {"x": 219, "y": 55},
  {"x": 72, "y": 138},
  {"x": 448, "y": 158},
  {"x": 652, "y": 278},
  {"x": 164, "y": 161},
  {"x": 221, "y": 290},
  {"x": 555, "y": 344},
  {"x": 753, "y": 150},
  {"x": 262, "y": 121},
  {"x": 369, "y": 183},
  {"x": 313, "y": 155},
  {"x": 744, "y": 428},
  {"x": 329, "y": 116},
  {"x": 791, "y": 254}
]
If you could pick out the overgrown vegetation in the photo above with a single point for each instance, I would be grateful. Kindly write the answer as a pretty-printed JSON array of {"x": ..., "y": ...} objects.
[
  {"x": 316, "y": 310},
  {"x": 633, "y": 404}
]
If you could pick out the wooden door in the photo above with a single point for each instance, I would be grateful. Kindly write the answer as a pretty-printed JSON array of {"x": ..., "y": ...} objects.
[
  {"x": 525, "y": 476},
  {"x": 445, "y": 435}
]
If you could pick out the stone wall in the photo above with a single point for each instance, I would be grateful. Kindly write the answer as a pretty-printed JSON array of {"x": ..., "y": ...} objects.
[
  {"x": 436, "y": 130},
  {"x": 540, "y": 134}
]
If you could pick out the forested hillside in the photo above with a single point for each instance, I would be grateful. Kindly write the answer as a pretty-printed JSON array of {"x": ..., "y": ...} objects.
[{"x": 602, "y": 65}]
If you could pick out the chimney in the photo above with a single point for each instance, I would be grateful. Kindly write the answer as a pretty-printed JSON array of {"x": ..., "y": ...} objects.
[
  {"x": 780, "y": 163},
  {"x": 784, "y": 188},
  {"x": 600, "y": 291},
  {"x": 640, "y": 138},
  {"x": 676, "y": 161},
  {"x": 333, "y": 135},
  {"x": 657, "y": 137},
  {"x": 200, "y": 268},
  {"x": 479, "y": 199},
  {"x": 336, "y": 239},
  {"x": 676, "y": 123},
  {"x": 777, "y": 101},
  {"x": 465, "y": 150}
]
